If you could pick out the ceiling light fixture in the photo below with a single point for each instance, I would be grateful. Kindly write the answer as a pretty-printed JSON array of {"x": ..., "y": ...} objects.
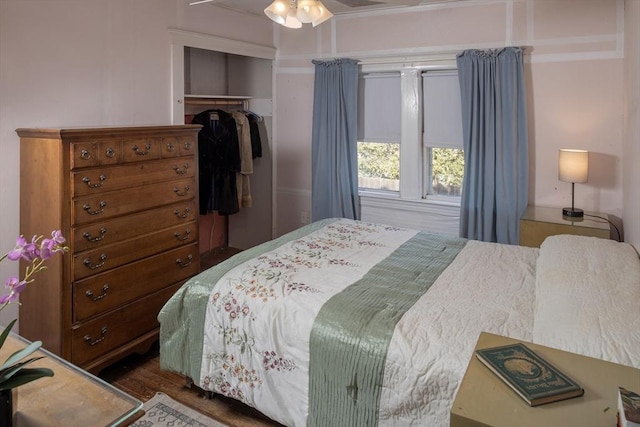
[{"x": 293, "y": 13}]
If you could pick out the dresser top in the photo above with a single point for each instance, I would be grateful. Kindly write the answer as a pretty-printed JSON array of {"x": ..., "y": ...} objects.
[{"x": 112, "y": 131}]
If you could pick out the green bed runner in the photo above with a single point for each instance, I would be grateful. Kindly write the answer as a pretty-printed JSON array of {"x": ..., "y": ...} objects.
[{"x": 351, "y": 334}]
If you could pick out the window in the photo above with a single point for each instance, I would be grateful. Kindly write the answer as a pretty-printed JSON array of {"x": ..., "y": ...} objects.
[
  {"x": 379, "y": 132},
  {"x": 442, "y": 135},
  {"x": 410, "y": 133}
]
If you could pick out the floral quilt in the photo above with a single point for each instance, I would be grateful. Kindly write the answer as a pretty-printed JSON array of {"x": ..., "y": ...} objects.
[{"x": 260, "y": 314}]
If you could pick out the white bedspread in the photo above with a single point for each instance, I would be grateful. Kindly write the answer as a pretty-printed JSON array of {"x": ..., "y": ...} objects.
[
  {"x": 488, "y": 287},
  {"x": 261, "y": 357}
]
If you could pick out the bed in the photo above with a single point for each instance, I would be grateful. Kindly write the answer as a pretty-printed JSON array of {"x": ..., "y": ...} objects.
[{"x": 345, "y": 322}]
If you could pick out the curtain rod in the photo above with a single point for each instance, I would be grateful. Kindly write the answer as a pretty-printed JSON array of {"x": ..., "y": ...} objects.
[{"x": 442, "y": 55}]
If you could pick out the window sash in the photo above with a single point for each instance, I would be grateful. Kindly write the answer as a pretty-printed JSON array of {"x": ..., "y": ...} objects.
[
  {"x": 442, "y": 113},
  {"x": 379, "y": 113}
]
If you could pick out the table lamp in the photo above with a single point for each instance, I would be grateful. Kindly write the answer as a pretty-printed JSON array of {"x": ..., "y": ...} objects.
[{"x": 573, "y": 166}]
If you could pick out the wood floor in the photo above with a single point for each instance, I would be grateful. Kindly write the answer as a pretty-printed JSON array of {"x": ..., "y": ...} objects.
[{"x": 141, "y": 377}]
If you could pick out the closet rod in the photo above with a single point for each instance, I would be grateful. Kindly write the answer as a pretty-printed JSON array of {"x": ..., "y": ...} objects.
[{"x": 192, "y": 101}]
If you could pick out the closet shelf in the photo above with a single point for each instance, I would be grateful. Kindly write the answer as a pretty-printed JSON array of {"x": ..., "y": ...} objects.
[{"x": 215, "y": 100}]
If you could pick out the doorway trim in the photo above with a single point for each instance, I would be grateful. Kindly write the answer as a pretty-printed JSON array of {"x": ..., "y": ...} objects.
[{"x": 181, "y": 39}]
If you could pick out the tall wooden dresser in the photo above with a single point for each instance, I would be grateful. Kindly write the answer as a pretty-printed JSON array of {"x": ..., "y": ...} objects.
[{"x": 126, "y": 199}]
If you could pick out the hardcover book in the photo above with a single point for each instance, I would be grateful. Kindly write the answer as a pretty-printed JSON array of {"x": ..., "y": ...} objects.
[
  {"x": 529, "y": 375},
  {"x": 628, "y": 408}
]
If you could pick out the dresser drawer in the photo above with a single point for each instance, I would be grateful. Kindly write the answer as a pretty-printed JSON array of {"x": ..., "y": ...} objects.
[
  {"x": 93, "y": 153},
  {"x": 106, "y": 291},
  {"x": 97, "y": 180},
  {"x": 134, "y": 150},
  {"x": 114, "y": 230},
  {"x": 179, "y": 145},
  {"x": 103, "y": 334},
  {"x": 114, "y": 151},
  {"x": 96, "y": 208},
  {"x": 106, "y": 257}
]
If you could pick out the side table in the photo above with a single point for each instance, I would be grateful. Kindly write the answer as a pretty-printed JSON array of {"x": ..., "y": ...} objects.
[
  {"x": 72, "y": 397},
  {"x": 538, "y": 222},
  {"x": 484, "y": 400}
]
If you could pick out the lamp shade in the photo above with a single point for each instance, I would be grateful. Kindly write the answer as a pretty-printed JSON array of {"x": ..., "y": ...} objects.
[
  {"x": 277, "y": 11},
  {"x": 292, "y": 20},
  {"x": 308, "y": 11},
  {"x": 323, "y": 15},
  {"x": 573, "y": 165}
]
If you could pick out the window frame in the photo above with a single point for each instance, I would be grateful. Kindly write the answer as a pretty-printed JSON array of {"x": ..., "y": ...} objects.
[
  {"x": 427, "y": 188},
  {"x": 413, "y": 169},
  {"x": 377, "y": 134}
]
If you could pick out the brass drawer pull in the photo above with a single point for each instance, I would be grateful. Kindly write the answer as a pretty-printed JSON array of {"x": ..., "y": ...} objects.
[
  {"x": 85, "y": 154},
  {"x": 87, "y": 262},
  {"x": 89, "y": 293},
  {"x": 139, "y": 152},
  {"x": 185, "y": 264},
  {"x": 181, "y": 171},
  {"x": 110, "y": 152},
  {"x": 87, "y": 208},
  {"x": 182, "y": 193},
  {"x": 87, "y": 181},
  {"x": 187, "y": 145},
  {"x": 186, "y": 213},
  {"x": 87, "y": 235},
  {"x": 171, "y": 148},
  {"x": 181, "y": 237},
  {"x": 91, "y": 341}
]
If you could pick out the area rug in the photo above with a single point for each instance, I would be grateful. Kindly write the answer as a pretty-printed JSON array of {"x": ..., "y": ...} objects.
[{"x": 162, "y": 410}]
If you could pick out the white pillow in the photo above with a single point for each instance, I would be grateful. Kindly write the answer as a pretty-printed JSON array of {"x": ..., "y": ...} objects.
[{"x": 588, "y": 298}]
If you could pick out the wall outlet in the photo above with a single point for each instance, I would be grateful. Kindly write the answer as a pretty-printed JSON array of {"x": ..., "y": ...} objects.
[{"x": 304, "y": 217}]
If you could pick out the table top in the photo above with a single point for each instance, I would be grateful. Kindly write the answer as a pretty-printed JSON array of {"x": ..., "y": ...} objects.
[
  {"x": 554, "y": 216},
  {"x": 484, "y": 399},
  {"x": 72, "y": 397}
]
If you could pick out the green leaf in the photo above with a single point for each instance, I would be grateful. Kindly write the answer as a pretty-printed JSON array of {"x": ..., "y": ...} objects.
[
  {"x": 7, "y": 373},
  {"x": 21, "y": 354},
  {"x": 6, "y": 332},
  {"x": 25, "y": 376}
]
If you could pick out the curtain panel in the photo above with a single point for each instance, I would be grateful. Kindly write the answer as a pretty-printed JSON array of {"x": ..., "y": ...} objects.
[
  {"x": 334, "y": 140},
  {"x": 494, "y": 120}
]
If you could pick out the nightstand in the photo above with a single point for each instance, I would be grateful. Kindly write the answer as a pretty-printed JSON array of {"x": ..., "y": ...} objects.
[
  {"x": 539, "y": 222},
  {"x": 484, "y": 400}
]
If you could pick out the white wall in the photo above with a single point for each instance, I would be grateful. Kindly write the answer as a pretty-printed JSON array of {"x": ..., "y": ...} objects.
[
  {"x": 90, "y": 63},
  {"x": 575, "y": 76}
]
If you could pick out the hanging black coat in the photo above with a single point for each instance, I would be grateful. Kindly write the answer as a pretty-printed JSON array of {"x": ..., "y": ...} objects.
[
  {"x": 218, "y": 162},
  {"x": 256, "y": 143}
]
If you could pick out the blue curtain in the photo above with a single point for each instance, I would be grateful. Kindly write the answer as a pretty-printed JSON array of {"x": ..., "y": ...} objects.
[
  {"x": 334, "y": 140},
  {"x": 494, "y": 121}
]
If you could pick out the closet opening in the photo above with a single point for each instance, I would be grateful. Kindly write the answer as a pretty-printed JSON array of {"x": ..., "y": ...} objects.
[{"x": 215, "y": 77}]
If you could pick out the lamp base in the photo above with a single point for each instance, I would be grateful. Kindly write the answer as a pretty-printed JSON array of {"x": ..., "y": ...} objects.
[{"x": 572, "y": 212}]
